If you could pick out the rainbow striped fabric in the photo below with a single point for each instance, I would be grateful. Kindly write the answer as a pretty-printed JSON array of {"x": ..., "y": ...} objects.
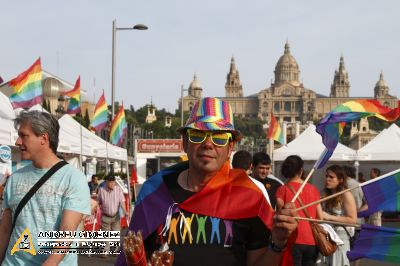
[
  {"x": 230, "y": 194},
  {"x": 118, "y": 127},
  {"x": 331, "y": 126},
  {"x": 27, "y": 87},
  {"x": 211, "y": 114},
  {"x": 377, "y": 243},
  {"x": 275, "y": 131},
  {"x": 382, "y": 193},
  {"x": 100, "y": 116},
  {"x": 74, "y": 95}
]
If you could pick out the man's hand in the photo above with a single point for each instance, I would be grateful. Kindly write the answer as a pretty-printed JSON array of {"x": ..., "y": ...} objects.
[{"x": 284, "y": 224}]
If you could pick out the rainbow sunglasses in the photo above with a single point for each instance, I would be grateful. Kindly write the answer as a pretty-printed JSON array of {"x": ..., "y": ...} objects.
[{"x": 218, "y": 138}]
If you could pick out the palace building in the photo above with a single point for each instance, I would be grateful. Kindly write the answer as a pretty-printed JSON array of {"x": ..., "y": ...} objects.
[{"x": 287, "y": 96}]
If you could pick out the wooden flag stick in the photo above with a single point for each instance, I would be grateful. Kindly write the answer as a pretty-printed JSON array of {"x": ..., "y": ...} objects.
[
  {"x": 325, "y": 198},
  {"x": 309, "y": 174},
  {"x": 327, "y": 222}
]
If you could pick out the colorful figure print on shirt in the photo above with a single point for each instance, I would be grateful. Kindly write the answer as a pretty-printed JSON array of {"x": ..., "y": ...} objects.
[
  {"x": 215, "y": 229},
  {"x": 186, "y": 230},
  {"x": 172, "y": 230},
  {"x": 228, "y": 233},
  {"x": 201, "y": 230}
]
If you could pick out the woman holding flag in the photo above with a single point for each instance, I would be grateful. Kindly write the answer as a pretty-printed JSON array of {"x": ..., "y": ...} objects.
[
  {"x": 339, "y": 209},
  {"x": 304, "y": 251}
]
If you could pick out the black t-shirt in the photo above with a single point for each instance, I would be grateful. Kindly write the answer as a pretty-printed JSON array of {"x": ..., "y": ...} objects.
[
  {"x": 214, "y": 241},
  {"x": 271, "y": 185}
]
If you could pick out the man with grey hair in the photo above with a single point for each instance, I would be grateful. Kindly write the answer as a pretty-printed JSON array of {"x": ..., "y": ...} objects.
[{"x": 58, "y": 205}]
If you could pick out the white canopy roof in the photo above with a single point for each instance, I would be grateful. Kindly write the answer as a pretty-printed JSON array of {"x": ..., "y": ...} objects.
[
  {"x": 92, "y": 145},
  {"x": 308, "y": 145},
  {"x": 7, "y": 131},
  {"x": 384, "y": 147}
]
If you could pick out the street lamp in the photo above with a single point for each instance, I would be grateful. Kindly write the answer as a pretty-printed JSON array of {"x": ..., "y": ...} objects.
[
  {"x": 114, "y": 40},
  {"x": 182, "y": 90}
]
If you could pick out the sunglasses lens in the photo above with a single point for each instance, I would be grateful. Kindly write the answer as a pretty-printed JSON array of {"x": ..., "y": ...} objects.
[
  {"x": 220, "y": 139},
  {"x": 196, "y": 136}
]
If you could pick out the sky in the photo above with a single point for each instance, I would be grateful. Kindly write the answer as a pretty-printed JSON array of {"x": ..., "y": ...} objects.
[{"x": 185, "y": 37}]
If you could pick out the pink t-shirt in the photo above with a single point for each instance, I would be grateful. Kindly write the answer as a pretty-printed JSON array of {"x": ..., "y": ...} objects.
[{"x": 309, "y": 194}]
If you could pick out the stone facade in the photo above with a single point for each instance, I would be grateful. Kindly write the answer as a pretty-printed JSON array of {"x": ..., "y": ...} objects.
[{"x": 287, "y": 97}]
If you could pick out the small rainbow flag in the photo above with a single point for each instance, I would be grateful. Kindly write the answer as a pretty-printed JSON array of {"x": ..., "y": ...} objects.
[
  {"x": 331, "y": 126},
  {"x": 100, "y": 116},
  {"x": 118, "y": 127},
  {"x": 377, "y": 243},
  {"x": 275, "y": 131},
  {"x": 74, "y": 95},
  {"x": 27, "y": 87},
  {"x": 382, "y": 193}
]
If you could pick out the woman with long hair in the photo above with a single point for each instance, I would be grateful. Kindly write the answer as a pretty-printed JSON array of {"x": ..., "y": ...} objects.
[
  {"x": 304, "y": 250},
  {"x": 339, "y": 209}
]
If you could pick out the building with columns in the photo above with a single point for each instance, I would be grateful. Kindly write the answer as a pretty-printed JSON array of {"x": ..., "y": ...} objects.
[{"x": 287, "y": 97}]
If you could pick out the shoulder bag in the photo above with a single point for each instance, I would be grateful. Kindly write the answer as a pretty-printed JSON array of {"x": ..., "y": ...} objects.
[
  {"x": 322, "y": 239},
  {"x": 35, "y": 188}
]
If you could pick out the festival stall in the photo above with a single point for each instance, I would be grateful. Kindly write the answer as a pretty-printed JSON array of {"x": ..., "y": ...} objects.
[
  {"x": 382, "y": 152},
  {"x": 308, "y": 145}
]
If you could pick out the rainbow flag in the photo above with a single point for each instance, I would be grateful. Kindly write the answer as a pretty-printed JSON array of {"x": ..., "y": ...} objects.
[
  {"x": 27, "y": 87},
  {"x": 100, "y": 116},
  {"x": 74, "y": 95},
  {"x": 377, "y": 243},
  {"x": 331, "y": 126},
  {"x": 275, "y": 131},
  {"x": 230, "y": 194},
  {"x": 118, "y": 127},
  {"x": 382, "y": 193}
]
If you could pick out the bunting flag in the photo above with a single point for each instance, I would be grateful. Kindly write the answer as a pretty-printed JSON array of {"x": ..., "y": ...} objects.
[
  {"x": 331, "y": 126},
  {"x": 230, "y": 194},
  {"x": 27, "y": 87},
  {"x": 377, "y": 243},
  {"x": 100, "y": 116},
  {"x": 74, "y": 95},
  {"x": 275, "y": 131},
  {"x": 118, "y": 127},
  {"x": 382, "y": 193}
]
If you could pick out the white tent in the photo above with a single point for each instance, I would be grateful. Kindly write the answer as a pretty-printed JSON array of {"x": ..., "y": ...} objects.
[
  {"x": 384, "y": 147},
  {"x": 92, "y": 145},
  {"x": 7, "y": 132},
  {"x": 308, "y": 145}
]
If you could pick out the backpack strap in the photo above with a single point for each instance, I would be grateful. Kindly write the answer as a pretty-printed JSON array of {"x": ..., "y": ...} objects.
[{"x": 35, "y": 188}]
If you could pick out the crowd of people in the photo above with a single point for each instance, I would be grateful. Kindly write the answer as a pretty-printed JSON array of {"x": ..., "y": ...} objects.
[{"x": 206, "y": 210}]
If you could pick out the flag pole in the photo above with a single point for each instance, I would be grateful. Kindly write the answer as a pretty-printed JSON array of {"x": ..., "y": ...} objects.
[
  {"x": 309, "y": 174},
  {"x": 80, "y": 155},
  {"x": 349, "y": 189},
  {"x": 327, "y": 222}
]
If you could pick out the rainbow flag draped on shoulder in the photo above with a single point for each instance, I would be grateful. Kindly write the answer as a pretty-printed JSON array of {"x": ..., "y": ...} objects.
[
  {"x": 118, "y": 127},
  {"x": 331, "y": 126},
  {"x": 100, "y": 116},
  {"x": 230, "y": 194},
  {"x": 74, "y": 95},
  {"x": 27, "y": 87},
  {"x": 275, "y": 131}
]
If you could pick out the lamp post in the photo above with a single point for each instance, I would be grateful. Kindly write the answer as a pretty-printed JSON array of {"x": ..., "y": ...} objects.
[
  {"x": 182, "y": 90},
  {"x": 114, "y": 40}
]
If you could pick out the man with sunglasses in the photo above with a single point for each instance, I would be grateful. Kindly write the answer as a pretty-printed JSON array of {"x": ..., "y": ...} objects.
[{"x": 205, "y": 212}]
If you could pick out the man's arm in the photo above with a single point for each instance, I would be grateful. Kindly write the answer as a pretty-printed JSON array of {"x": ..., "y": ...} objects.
[
  {"x": 284, "y": 225},
  {"x": 69, "y": 222},
  {"x": 5, "y": 232}
]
